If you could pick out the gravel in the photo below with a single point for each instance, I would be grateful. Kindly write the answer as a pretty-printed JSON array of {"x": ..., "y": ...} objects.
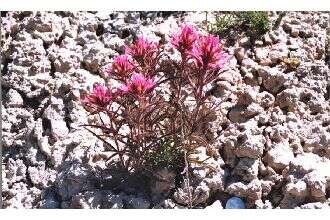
[{"x": 273, "y": 149}]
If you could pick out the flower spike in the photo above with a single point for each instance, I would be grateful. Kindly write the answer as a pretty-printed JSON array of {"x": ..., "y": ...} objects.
[
  {"x": 139, "y": 85},
  {"x": 184, "y": 40},
  {"x": 208, "y": 54},
  {"x": 99, "y": 98}
]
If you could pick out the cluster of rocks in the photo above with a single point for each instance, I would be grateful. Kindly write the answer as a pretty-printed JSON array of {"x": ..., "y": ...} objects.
[{"x": 273, "y": 149}]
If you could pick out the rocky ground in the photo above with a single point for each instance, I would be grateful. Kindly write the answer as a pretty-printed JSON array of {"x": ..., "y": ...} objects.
[{"x": 274, "y": 124}]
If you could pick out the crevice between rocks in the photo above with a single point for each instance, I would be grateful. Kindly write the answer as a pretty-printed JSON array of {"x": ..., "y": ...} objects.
[
  {"x": 67, "y": 118},
  {"x": 3, "y": 13},
  {"x": 46, "y": 46},
  {"x": 100, "y": 29},
  {"x": 52, "y": 69},
  {"x": 4, "y": 91},
  {"x": 327, "y": 94},
  {"x": 46, "y": 126},
  {"x": 33, "y": 102},
  {"x": 59, "y": 40},
  {"x": 6, "y": 61}
]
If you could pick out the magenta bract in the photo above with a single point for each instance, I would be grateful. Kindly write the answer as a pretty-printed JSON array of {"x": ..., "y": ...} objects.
[
  {"x": 207, "y": 53},
  {"x": 142, "y": 49},
  {"x": 184, "y": 40},
  {"x": 139, "y": 85},
  {"x": 99, "y": 98},
  {"x": 122, "y": 66}
]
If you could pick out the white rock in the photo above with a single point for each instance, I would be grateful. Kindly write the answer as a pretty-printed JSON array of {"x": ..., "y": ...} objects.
[
  {"x": 216, "y": 205},
  {"x": 250, "y": 145},
  {"x": 279, "y": 156},
  {"x": 14, "y": 99}
]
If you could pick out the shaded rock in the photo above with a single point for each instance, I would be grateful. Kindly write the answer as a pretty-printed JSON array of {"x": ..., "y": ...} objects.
[
  {"x": 87, "y": 200},
  {"x": 73, "y": 179},
  {"x": 17, "y": 123},
  {"x": 49, "y": 200},
  {"x": 274, "y": 80},
  {"x": 247, "y": 169},
  {"x": 263, "y": 205},
  {"x": 278, "y": 52},
  {"x": 162, "y": 184},
  {"x": 112, "y": 201},
  {"x": 114, "y": 42},
  {"x": 239, "y": 53},
  {"x": 137, "y": 202}
]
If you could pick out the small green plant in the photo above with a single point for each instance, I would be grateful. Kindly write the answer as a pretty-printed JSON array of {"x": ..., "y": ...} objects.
[
  {"x": 166, "y": 156},
  {"x": 223, "y": 23},
  {"x": 256, "y": 21},
  {"x": 253, "y": 22}
]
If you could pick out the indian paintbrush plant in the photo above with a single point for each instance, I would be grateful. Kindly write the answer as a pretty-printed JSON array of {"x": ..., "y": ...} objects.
[{"x": 145, "y": 129}]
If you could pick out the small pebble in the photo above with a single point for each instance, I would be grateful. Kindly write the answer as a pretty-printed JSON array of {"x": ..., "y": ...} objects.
[{"x": 235, "y": 203}]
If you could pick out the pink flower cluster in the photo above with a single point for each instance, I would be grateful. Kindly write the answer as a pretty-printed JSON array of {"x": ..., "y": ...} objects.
[
  {"x": 136, "y": 68},
  {"x": 126, "y": 68},
  {"x": 184, "y": 40},
  {"x": 121, "y": 67},
  {"x": 99, "y": 98},
  {"x": 206, "y": 51},
  {"x": 139, "y": 85},
  {"x": 143, "y": 50}
]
